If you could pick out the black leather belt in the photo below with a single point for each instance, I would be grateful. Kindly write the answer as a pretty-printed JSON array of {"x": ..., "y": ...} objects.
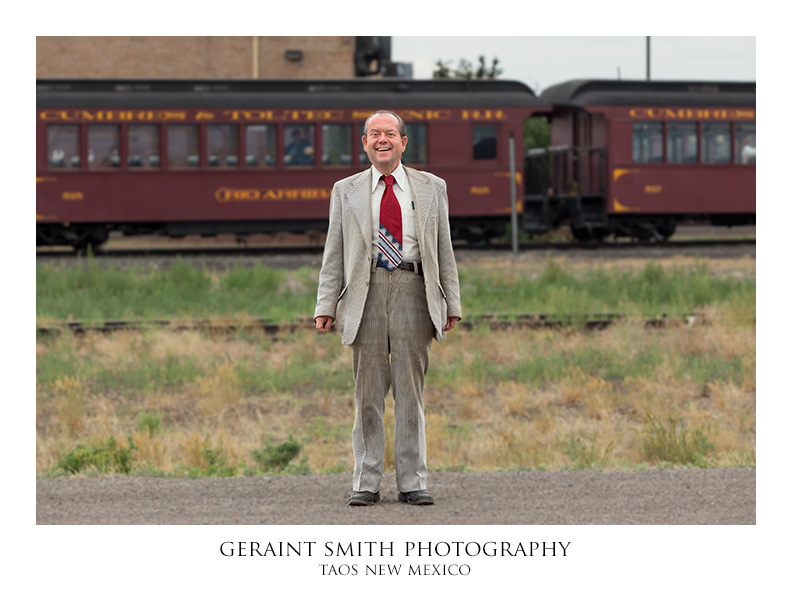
[{"x": 409, "y": 266}]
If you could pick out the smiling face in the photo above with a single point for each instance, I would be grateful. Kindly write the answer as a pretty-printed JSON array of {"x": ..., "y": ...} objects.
[{"x": 383, "y": 142}]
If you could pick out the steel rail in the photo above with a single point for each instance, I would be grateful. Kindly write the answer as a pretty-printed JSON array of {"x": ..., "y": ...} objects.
[
  {"x": 598, "y": 321},
  {"x": 44, "y": 254}
]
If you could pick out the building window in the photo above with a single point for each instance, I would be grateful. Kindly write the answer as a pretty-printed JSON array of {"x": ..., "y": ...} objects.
[
  {"x": 260, "y": 146},
  {"x": 63, "y": 147},
  {"x": 647, "y": 142},
  {"x": 485, "y": 143},
  {"x": 682, "y": 144},
  {"x": 221, "y": 142},
  {"x": 182, "y": 146},
  {"x": 716, "y": 142},
  {"x": 103, "y": 144},
  {"x": 336, "y": 144},
  {"x": 143, "y": 146},
  {"x": 746, "y": 144},
  {"x": 415, "y": 153},
  {"x": 298, "y": 144}
]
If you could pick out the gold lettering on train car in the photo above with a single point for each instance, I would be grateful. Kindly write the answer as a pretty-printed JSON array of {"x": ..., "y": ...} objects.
[
  {"x": 286, "y": 115},
  {"x": 481, "y": 190},
  {"x": 72, "y": 195},
  {"x": 59, "y": 116},
  {"x": 250, "y": 114},
  {"x": 226, "y": 194},
  {"x": 412, "y": 115},
  {"x": 653, "y": 189},
  {"x": 321, "y": 115},
  {"x": 424, "y": 115},
  {"x": 110, "y": 116},
  {"x": 483, "y": 114},
  {"x": 204, "y": 115},
  {"x": 691, "y": 114}
]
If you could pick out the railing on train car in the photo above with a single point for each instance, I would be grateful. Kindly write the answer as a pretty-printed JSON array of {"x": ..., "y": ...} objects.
[{"x": 562, "y": 182}]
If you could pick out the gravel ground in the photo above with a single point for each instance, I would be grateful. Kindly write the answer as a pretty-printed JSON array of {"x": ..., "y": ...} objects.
[{"x": 643, "y": 497}]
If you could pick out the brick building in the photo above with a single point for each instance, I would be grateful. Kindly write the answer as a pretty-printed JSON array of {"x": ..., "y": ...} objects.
[{"x": 212, "y": 57}]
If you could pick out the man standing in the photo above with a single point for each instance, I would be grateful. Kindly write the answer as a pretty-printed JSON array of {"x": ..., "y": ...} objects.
[{"x": 389, "y": 280}]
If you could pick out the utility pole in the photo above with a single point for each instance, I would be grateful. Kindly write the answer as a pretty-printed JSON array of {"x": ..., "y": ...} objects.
[{"x": 648, "y": 76}]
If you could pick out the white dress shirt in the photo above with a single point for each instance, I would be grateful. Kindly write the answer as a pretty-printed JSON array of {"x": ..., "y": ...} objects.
[{"x": 401, "y": 187}]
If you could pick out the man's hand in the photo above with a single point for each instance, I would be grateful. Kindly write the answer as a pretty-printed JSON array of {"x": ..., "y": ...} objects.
[
  {"x": 450, "y": 323},
  {"x": 323, "y": 323}
]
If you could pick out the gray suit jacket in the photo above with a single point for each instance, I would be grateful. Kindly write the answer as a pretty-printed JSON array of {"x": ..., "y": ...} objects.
[{"x": 346, "y": 264}]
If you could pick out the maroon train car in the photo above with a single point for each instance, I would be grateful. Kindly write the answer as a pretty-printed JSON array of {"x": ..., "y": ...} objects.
[
  {"x": 634, "y": 158},
  {"x": 180, "y": 157}
]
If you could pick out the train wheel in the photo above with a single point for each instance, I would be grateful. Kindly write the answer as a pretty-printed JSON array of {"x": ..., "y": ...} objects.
[
  {"x": 88, "y": 238},
  {"x": 666, "y": 228}
]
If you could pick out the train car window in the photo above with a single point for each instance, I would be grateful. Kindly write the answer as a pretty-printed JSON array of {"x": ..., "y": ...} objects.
[
  {"x": 260, "y": 146},
  {"x": 716, "y": 143},
  {"x": 63, "y": 147},
  {"x": 336, "y": 144},
  {"x": 182, "y": 145},
  {"x": 746, "y": 144},
  {"x": 298, "y": 144},
  {"x": 221, "y": 142},
  {"x": 682, "y": 146},
  {"x": 485, "y": 143},
  {"x": 143, "y": 146},
  {"x": 415, "y": 153},
  {"x": 647, "y": 142},
  {"x": 103, "y": 142}
]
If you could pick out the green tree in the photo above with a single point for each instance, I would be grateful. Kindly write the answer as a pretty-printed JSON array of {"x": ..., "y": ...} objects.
[
  {"x": 465, "y": 69},
  {"x": 536, "y": 133}
]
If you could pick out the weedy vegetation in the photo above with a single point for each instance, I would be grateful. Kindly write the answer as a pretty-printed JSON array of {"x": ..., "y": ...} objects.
[{"x": 196, "y": 403}]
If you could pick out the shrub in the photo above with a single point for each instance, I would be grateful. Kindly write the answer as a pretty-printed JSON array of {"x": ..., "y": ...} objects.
[
  {"x": 150, "y": 422},
  {"x": 105, "y": 458},
  {"x": 276, "y": 458},
  {"x": 676, "y": 443}
]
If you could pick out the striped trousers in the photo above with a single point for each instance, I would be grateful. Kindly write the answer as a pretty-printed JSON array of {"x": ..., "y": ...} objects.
[{"x": 391, "y": 350}]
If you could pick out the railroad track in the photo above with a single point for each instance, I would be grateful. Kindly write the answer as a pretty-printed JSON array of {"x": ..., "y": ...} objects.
[
  {"x": 215, "y": 251},
  {"x": 586, "y": 322}
]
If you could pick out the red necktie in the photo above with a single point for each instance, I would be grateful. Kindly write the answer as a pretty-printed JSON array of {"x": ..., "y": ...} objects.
[{"x": 390, "y": 227}]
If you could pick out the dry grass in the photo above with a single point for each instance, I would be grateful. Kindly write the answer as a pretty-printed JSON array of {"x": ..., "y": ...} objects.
[{"x": 494, "y": 400}]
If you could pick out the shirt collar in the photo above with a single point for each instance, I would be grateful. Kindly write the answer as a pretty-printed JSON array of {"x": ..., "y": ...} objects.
[{"x": 399, "y": 174}]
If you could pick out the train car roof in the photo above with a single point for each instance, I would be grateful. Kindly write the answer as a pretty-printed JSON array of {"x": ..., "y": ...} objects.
[
  {"x": 579, "y": 93},
  {"x": 373, "y": 93}
]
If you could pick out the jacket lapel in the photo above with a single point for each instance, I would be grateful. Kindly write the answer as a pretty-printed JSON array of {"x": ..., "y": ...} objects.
[
  {"x": 424, "y": 199},
  {"x": 358, "y": 198}
]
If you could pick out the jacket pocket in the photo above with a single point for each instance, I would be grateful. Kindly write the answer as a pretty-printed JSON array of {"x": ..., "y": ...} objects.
[{"x": 340, "y": 317}]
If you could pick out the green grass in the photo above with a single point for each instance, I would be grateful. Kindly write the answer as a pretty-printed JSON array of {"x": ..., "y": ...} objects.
[
  {"x": 557, "y": 290},
  {"x": 90, "y": 293}
]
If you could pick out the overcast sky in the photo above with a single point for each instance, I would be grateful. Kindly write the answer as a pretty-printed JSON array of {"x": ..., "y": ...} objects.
[{"x": 541, "y": 62}]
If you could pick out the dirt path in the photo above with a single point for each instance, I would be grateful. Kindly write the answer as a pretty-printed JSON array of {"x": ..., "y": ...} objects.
[{"x": 646, "y": 497}]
